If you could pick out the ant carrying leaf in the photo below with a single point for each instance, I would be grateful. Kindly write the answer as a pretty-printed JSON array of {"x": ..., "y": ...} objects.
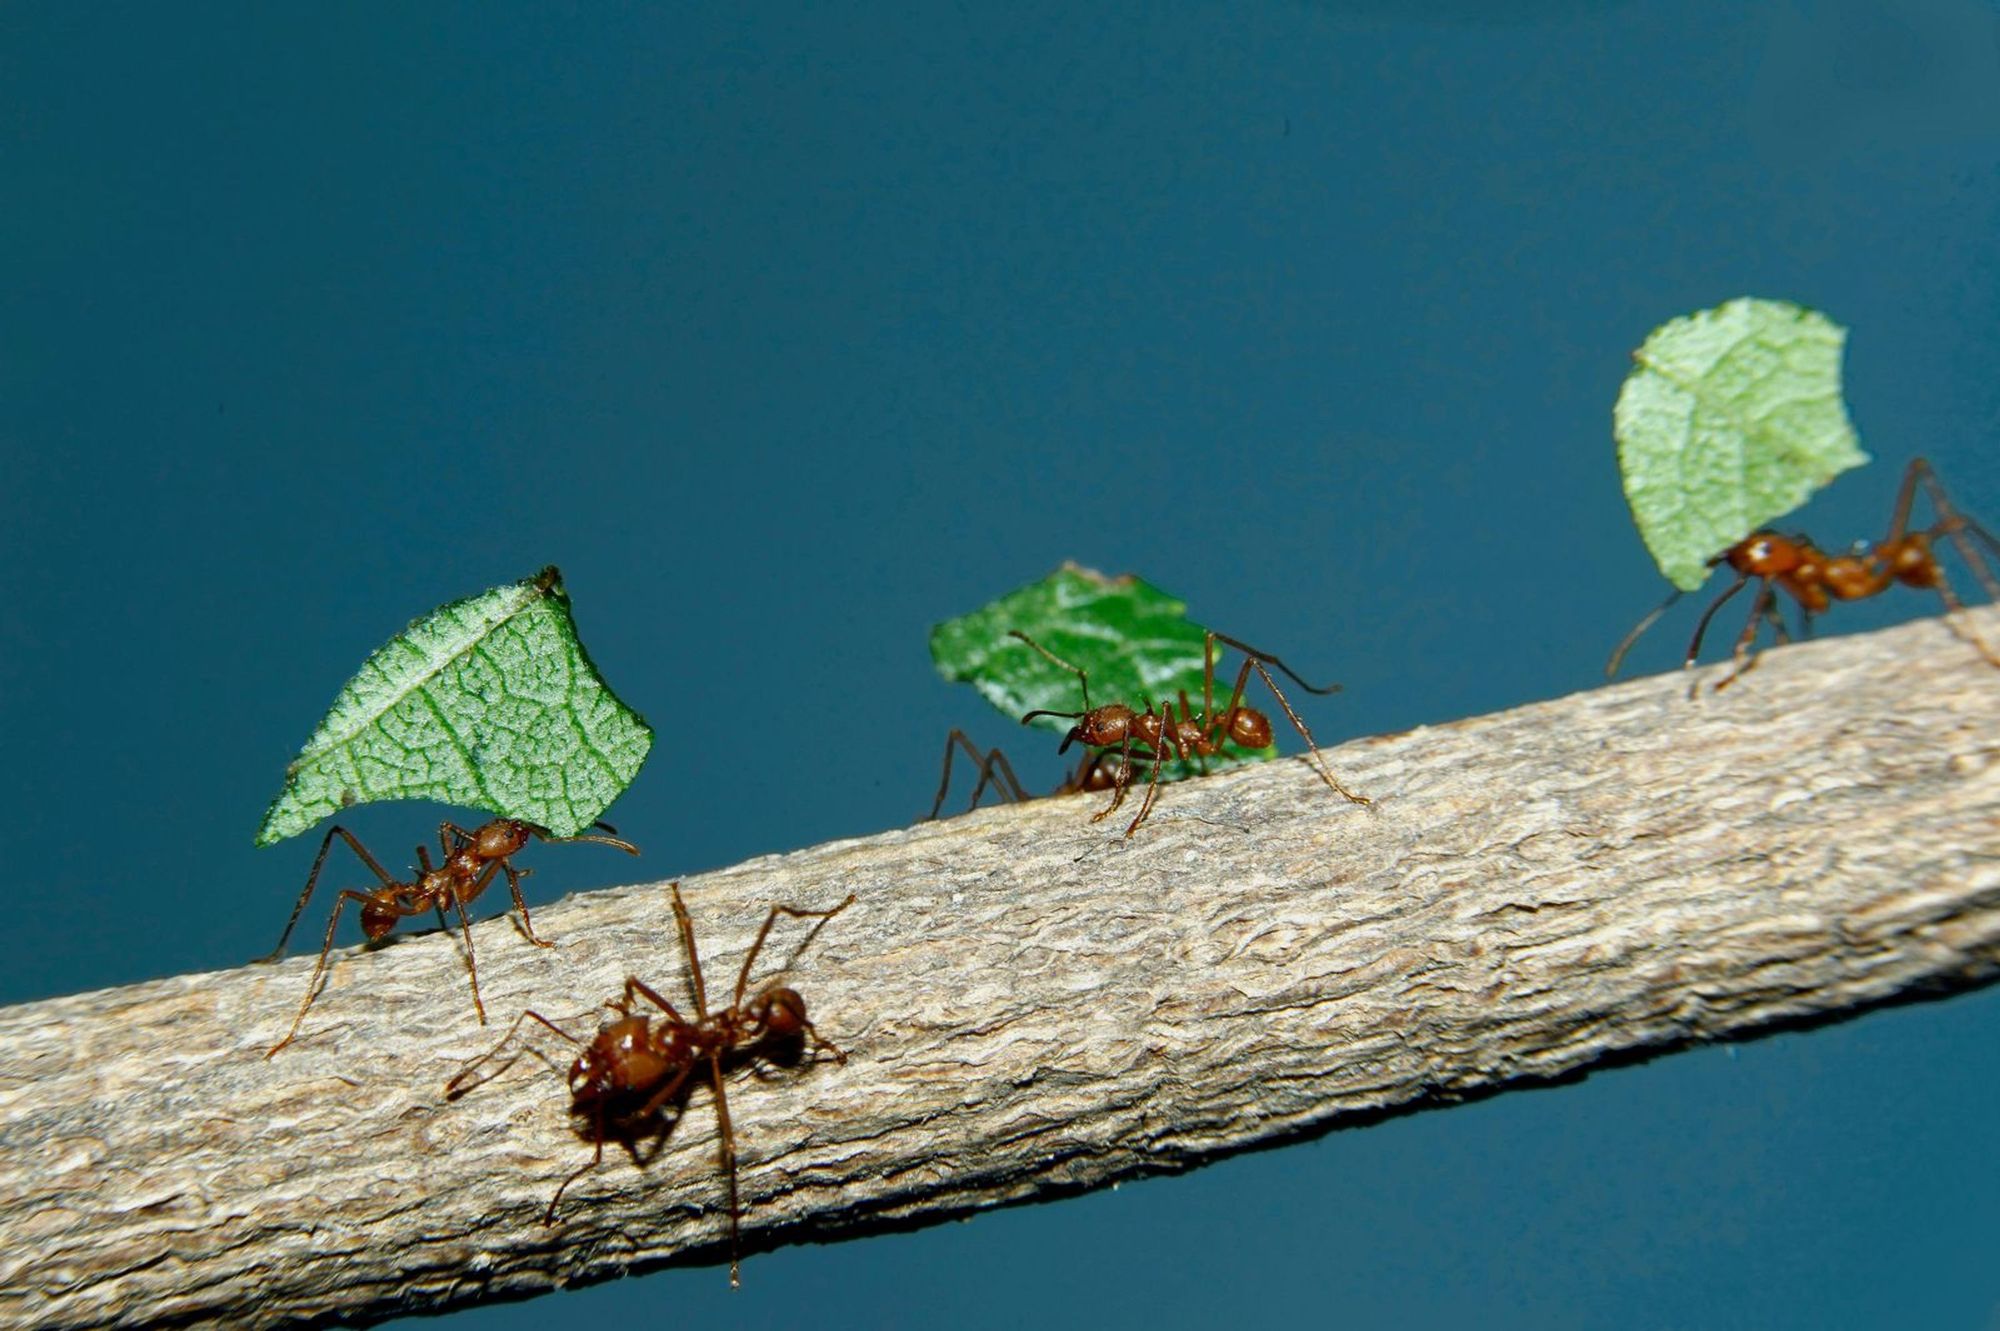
[
  {"x": 1814, "y": 579},
  {"x": 1151, "y": 738},
  {"x": 468, "y": 863}
]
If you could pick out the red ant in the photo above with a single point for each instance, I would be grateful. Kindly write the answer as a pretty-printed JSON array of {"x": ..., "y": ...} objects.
[
  {"x": 1185, "y": 734},
  {"x": 1096, "y": 771},
  {"x": 470, "y": 859},
  {"x": 1815, "y": 579},
  {"x": 637, "y": 1064}
]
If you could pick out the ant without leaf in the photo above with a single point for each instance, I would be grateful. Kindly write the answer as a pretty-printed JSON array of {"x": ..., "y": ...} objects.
[
  {"x": 1185, "y": 734},
  {"x": 638, "y": 1063},
  {"x": 470, "y": 860},
  {"x": 1815, "y": 579},
  {"x": 1097, "y": 771}
]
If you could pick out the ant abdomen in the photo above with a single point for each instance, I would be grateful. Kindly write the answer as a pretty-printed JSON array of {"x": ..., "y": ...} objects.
[
  {"x": 1250, "y": 728},
  {"x": 378, "y": 918}
]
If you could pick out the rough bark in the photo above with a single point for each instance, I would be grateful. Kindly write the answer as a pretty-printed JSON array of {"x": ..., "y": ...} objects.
[{"x": 1032, "y": 1002}]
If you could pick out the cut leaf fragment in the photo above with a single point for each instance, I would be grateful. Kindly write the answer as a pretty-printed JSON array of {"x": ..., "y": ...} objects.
[
  {"x": 1730, "y": 419},
  {"x": 1135, "y": 641},
  {"x": 488, "y": 703}
]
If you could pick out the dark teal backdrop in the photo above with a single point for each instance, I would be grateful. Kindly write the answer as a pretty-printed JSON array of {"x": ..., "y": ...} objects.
[{"x": 789, "y": 331}]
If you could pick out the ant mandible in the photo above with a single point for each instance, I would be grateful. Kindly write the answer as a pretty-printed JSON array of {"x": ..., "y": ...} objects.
[
  {"x": 469, "y": 862},
  {"x": 1815, "y": 579},
  {"x": 1185, "y": 734},
  {"x": 1095, "y": 772},
  {"x": 637, "y": 1064}
]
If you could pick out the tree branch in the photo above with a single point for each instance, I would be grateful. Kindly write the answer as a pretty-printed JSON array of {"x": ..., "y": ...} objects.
[{"x": 1032, "y": 1002}]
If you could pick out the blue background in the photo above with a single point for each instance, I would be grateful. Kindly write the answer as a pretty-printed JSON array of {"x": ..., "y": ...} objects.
[{"x": 787, "y": 333}]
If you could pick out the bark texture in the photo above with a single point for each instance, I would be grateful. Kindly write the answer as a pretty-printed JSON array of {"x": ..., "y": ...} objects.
[{"x": 1031, "y": 1002}]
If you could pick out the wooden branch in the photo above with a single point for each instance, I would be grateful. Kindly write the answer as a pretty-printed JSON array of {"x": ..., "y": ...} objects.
[{"x": 1032, "y": 1002}]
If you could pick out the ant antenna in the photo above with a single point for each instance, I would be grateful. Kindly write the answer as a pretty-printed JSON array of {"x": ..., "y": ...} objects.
[
  {"x": 1269, "y": 659},
  {"x": 1651, "y": 618},
  {"x": 1082, "y": 675}
]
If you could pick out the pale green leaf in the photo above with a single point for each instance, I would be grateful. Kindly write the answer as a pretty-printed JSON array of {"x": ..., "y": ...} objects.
[
  {"x": 487, "y": 703},
  {"x": 1730, "y": 419}
]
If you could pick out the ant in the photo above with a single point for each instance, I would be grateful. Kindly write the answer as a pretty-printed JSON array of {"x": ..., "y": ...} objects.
[
  {"x": 1184, "y": 734},
  {"x": 1095, "y": 772},
  {"x": 469, "y": 862},
  {"x": 638, "y": 1063},
  {"x": 1815, "y": 579}
]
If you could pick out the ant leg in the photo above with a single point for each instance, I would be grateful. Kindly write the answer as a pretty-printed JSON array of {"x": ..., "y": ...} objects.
[
  {"x": 1319, "y": 760},
  {"x": 1651, "y": 618},
  {"x": 1745, "y": 659},
  {"x": 988, "y": 762},
  {"x": 956, "y": 737},
  {"x": 1701, "y": 627},
  {"x": 821, "y": 1042},
  {"x": 1899, "y": 520},
  {"x": 1207, "y": 678},
  {"x": 319, "y": 968},
  {"x": 635, "y": 985},
  {"x": 465, "y": 923},
  {"x": 694, "y": 958},
  {"x": 1781, "y": 632},
  {"x": 1954, "y": 610},
  {"x": 1956, "y": 525},
  {"x": 664, "y": 1095},
  {"x": 460, "y": 1083},
  {"x": 1145, "y": 805},
  {"x": 726, "y": 1146},
  {"x": 996, "y": 762},
  {"x": 1121, "y": 781},
  {"x": 771, "y": 918},
  {"x": 514, "y": 885},
  {"x": 596, "y": 1159},
  {"x": 312, "y": 881}
]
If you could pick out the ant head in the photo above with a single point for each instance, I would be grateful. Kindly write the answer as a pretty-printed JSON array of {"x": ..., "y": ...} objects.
[
  {"x": 1103, "y": 726},
  {"x": 1100, "y": 727},
  {"x": 502, "y": 837},
  {"x": 590, "y": 1077},
  {"x": 1249, "y": 728},
  {"x": 606, "y": 1063},
  {"x": 1764, "y": 554}
]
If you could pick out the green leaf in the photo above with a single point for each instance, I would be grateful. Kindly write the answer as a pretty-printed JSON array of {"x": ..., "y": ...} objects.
[
  {"x": 1730, "y": 418},
  {"x": 1134, "y": 639},
  {"x": 488, "y": 703}
]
